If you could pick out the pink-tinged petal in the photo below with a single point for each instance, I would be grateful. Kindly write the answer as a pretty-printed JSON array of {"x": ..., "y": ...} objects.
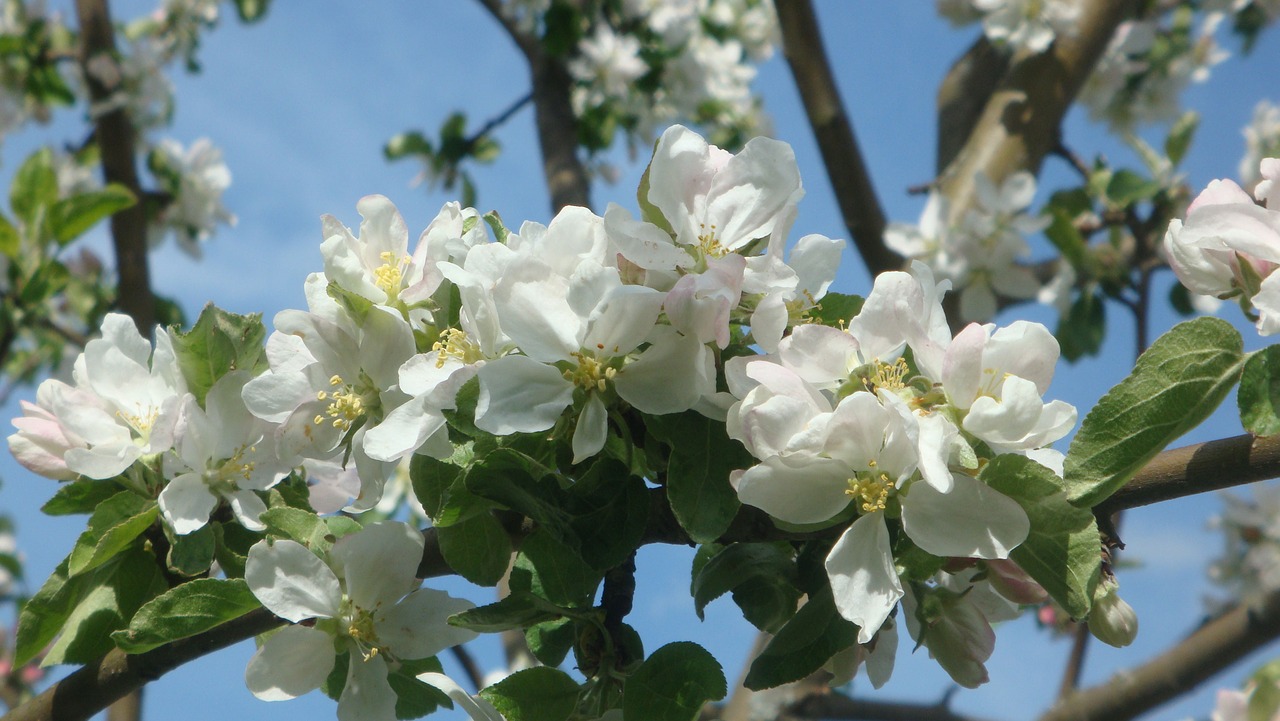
[
  {"x": 293, "y": 661},
  {"x": 520, "y": 395},
  {"x": 1204, "y": 271},
  {"x": 379, "y": 563},
  {"x": 860, "y": 568},
  {"x": 1223, "y": 191},
  {"x": 973, "y": 520},
  {"x": 797, "y": 490},
  {"x": 592, "y": 429},
  {"x": 679, "y": 176},
  {"x": 1244, "y": 229},
  {"x": 186, "y": 503},
  {"x": 368, "y": 695},
  {"x": 417, "y": 627},
  {"x": 292, "y": 582}
]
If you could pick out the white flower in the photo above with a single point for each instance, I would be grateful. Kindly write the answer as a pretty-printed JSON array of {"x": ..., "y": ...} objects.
[
  {"x": 196, "y": 178},
  {"x": 362, "y": 602},
  {"x": 1027, "y": 24},
  {"x": 223, "y": 453},
  {"x": 608, "y": 63},
  {"x": 1262, "y": 140},
  {"x": 376, "y": 265},
  {"x": 475, "y": 707}
]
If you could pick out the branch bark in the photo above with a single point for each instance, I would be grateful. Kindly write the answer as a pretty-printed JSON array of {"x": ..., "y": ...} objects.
[
  {"x": 838, "y": 706},
  {"x": 1020, "y": 123},
  {"x": 566, "y": 176},
  {"x": 116, "y": 142},
  {"x": 1210, "y": 649},
  {"x": 846, "y": 169}
]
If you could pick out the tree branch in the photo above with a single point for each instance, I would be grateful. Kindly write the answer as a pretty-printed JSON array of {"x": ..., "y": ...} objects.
[
  {"x": 1210, "y": 649},
  {"x": 557, "y": 125},
  {"x": 1020, "y": 123},
  {"x": 846, "y": 169},
  {"x": 115, "y": 135},
  {"x": 834, "y": 705}
]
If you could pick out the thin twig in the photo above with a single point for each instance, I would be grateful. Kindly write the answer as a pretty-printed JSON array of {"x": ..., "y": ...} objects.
[{"x": 469, "y": 665}]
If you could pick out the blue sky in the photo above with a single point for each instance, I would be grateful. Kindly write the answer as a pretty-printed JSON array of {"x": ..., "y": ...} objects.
[{"x": 302, "y": 104}]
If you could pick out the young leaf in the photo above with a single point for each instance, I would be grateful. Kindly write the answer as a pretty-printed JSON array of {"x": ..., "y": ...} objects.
[
  {"x": 192, "y": 554},
  {"x": 219, "y": 343},
  {"x": 673, "y": 684},
  {"x": 185, "y": 610},
  {"x": 439, "y": 487},
  {"x": 112, "y": 528},
  {"x": 550, "y": 641},
  {"x": 557, "y": 572},
  {"x": 79, "y": 497},
  {"x": 519, "y": 610},
  {"x": 740, "y": 563},
  {"x": 816, "y": 633},
  {"x": 1062, "y": 551},
  {"x": 116, "y": 590},
  {"x": 1259, "y": 394},
  {"x": 534, "y": 694},
  {"x": 836, "y": 308},
  {"x": 415, "y": 699},
  {"x": 702, "y": 455},
  {"x": 610, "y": 510},
  {"x": 1175, "y": 385},
  {"x": 478, "y": 548},
  {"x": 69, "y": 218},
  {"x": 35, "y": 185}
]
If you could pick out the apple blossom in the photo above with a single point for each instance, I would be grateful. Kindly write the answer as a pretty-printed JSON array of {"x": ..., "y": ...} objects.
[
  {"x": 363, "y": 602},
  {"x": 196, "y": 178}
]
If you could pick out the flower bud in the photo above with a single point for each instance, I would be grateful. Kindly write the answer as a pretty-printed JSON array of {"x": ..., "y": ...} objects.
[
  {"x": 1013, "y": 583},
  {"x": 958, "y": 636},
  {"x": 1112, "y": 621}
]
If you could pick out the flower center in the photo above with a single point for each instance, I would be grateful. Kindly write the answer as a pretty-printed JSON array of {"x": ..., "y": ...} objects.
[
  {"x": 142, "y": 421},
  {"x": 871, "y": 488},
  {"x": 454, "y": 343},
  {"x": 390, "y": 274},
  {"x": 346, "y": 405},
  {"x": 709, "y": 244},
  {"x": 889, "y": 376},
  {"x": 590, "y": 374},
  {"x": 235, "y": 467},
  {"x": 362, "y": 632}
]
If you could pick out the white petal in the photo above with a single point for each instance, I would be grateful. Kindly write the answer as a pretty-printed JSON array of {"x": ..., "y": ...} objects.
[
  {"x": 669, "y": 377},
  {"x": 248, "y": 508},
  {"x": 804, "y": 491},
  {"x": 477, "y": 708},
  {"x": 379, "y": 563},
  {"x": 186, "y": 503},
  {"x": 417, "y": 627},
  {"x": 592, "y": 430},
  {"x": 291, "y": 581},
  {"x": 368, "y": 695},
  {"x": 520, "y": 395},
  {"x": 860, "y": 567},
  {"x": 293, "y": 661},
  {"x": 973, "y": 520}
]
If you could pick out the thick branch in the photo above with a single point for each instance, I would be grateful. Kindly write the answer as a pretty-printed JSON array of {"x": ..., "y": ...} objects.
[
  {"x": 1212, "y": 648},
  {"x": 115, "y": 135},
  {"x": 1021, "y": 120},
  {"x": 859, "y": 206},
  {"x": 566, "y": 176}
]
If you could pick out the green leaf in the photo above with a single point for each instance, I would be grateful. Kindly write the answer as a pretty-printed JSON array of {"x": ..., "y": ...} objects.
[
  {"x": 836, "y": 309},
  {"x": 519, "y": 610},
  {"x": 1259, "y": 394},
  {"x": 1175, "y": 385},
  {"x": 1081, "y": 331},
  {"x": 192, "y": 554},
  {"x": 10, "y": 242},
  {"x": 116, "y": 590},
  {"x": 44, "y": 614},
  {"x": 520, "y": 483},
  {"x": 186, "y": 610},
  {"x": 112, "y": 528},
  {"x": 1265, "y": 699},
  {"x": 35, "y": 186},
  {"x": 405, "y": 144},
  {"x": 673, "y": 684},
  {"x": 79, "y": 497},
  {"x": 740, "y": 563},
  {"x": 534, "y": 694},
  {"x": 305, "y": 527},
  {"x": 354, "y": 304},
  {"x": 1127, "y": 187},
  {"x": 1067, "y": 238},
  {"x": 702, "y": 456},
  {"x": 1062, "y": 551},
  {"x": 1180, "y": 136},
  {"x": 815, "y": 634},
  {"x": 49, "y": 279},
  {"x": 557, "y": 572},
  {"x": 70, "y": 218},
  {"x": 440, "y": 488},
  {"x": 478, "y": 548},
  {"x": 252, "y": 10},
  {"x": 415, "y": 699},
  {"x": 610, "y": 512},
  {"x": 219, "y": 342},
  {"x": 550, "y": 641}
]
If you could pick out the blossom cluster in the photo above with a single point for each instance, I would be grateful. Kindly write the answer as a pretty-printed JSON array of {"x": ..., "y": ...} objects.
[
  {"x": 883, "y": 421},
  {"x": 1249, "y": 567},
  {"x": 1228, "y": 246},
  {"x": 978, "y": 253},
  {"x": 656, "y": 62},
  {"x": 1029, "y": 25}
]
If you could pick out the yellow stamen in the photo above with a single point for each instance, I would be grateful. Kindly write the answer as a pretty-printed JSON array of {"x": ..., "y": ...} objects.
[
  {"x": 346, "y": 406},
  {"x": 590, "y": 374},
  {"x": 709, "y": 244},
  {"x": 390, "y": 274},
  {"x": 871, "y": 488},
  {"x": 454, "y": 343},
  {"x": 889, "y": 376}
]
